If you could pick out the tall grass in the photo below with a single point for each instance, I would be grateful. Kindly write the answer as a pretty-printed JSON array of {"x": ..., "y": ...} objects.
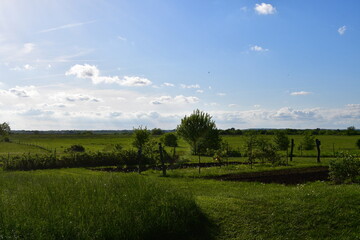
[{"x": 34, "y": 206}]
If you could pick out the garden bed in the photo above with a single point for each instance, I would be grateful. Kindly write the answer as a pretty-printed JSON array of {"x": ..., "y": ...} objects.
[{"x": 283, "y": 176}]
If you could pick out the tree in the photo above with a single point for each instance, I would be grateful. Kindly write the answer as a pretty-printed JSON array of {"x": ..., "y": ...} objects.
[
  {"x": 5, "y": 130},
  {"x": 308, "y": 142},
  {"x": 281, "y": 140},
  {"x": 156, "y": 131},
  {"x": 195, "y": 127},
  {"x": 351, "y": 130},
  {"x": 141, "y": 137},
  {"x": 358, "y": 143}
]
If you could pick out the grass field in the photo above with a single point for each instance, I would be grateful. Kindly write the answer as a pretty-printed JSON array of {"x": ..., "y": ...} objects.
[
  {"x": 47, "y": 203},
  {"x": 78, "y": 203},
  {"x": 106, "y": 142}
]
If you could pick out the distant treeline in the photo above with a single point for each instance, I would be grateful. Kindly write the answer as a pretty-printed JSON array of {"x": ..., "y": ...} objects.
[
  {"x": 231, "y": 131},
  {"x": 289, "y": 131}
]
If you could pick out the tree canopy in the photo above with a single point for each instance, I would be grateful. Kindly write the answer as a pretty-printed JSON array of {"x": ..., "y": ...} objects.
[{"x": 195, "y": 128}]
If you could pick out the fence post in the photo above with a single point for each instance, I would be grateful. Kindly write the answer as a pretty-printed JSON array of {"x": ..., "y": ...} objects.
[
  {"x": 291, "y": 150},
  {"x": 162, "y": 160},
  {"x": 318, "y": 143}
]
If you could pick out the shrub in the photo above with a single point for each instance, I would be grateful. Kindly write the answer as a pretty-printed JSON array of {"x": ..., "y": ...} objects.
[
  {"x": 308, "y": 142},
  {"x": 345, "y": 169},
  {"x": 75, "y": 148},
  {"x": 358, "y": 143}
]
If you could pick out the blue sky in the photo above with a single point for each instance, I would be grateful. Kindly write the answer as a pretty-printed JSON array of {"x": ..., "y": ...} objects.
[{"x": 120, "y": 64}]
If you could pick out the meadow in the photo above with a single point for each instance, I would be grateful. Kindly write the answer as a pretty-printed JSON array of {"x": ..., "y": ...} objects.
[{"x": 80, "y": 203}]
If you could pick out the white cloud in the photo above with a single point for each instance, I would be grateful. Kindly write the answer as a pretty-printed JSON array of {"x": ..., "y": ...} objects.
[
  {"x": 300, "y": 93},
  {"x": 264, "y": 9},
  {"x": 221, "y": 94},
  {"x": 166, "y": 84},
  {"x": 28, "y": 48},
  {"x": 135, "y": 81},
  {"x": 232, "y": 105},
  {"x": 70, "y": 25},
  {"x": 190, "y": 86},
  {"x": 200, "y": 91},
  {"x": 26, "y": 67},
  {"x": 121, "y": 38},
  {"x": 23, "y": 92},
  {"x": 174, "y": 100},
  {"x": 75, "y": 97},
  {"x": 342, "y": 30},
  {"x": 256, "y": 48},
  {"x": 87, "y": 71},
  {"x": 257, "y": 106}
]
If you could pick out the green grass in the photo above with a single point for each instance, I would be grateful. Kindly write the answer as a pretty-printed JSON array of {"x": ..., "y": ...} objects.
[
  {"x": 105, "y": 142},
  {"x": 68, "y": 205}
]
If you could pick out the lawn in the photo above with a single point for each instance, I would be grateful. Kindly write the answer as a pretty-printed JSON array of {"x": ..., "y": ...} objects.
[{"x": 79, "y": 203}]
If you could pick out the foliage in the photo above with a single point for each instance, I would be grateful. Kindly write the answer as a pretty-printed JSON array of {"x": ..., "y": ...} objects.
[
  {"x": 351, "y": 131},
  {"x": 194, "y": 129},
  {"x": 257, "y": 147},
  {"x": 110, "y": 206},
  {"x": 157, "y": 131},
  {"x": 308, "y": 142},
  {"x": 141, "y": 137},
  {"x": 75, "y": 148},
  {"x": 170, "y": 140},
  {"x": 5, "y": 130},
  {"x": 281, "y": 141},
  {"x": 346, "y": 169},
  {"x": 358, "y": 143}
]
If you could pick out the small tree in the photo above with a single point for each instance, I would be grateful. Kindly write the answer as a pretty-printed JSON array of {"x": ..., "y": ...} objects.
[
  {"x": 358, "y": 143},
  {"x": 308, "y": 142},
  {"x": 4, "y": 130},
  {"x": 141, "y": 137},
  {"x": 170, "y": 140},
  {"x": 195, "y": 127},
  {"x": 156, "y": 131},
  {"x": 281, "y": 140},
  {"x": 351, "y": 131}
]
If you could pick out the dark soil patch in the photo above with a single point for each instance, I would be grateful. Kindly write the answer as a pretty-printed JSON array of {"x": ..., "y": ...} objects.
[
  {"x": 283, "y": 176},
  {"x": 169, "y": 167}
]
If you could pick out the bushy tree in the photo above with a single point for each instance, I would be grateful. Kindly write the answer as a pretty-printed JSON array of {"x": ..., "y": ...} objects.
[
  {"x": 281, "y": 140},
  {"x": 141, "y": 137},
  {"x": 195, "y": 128},
  {"x": 5, "y": 131},
  {"x": 308, "y": 142},
  {"x": 351, "y": 131},
  {"x": 156, "y": 131},
  {"x": 358, "y": 143}
]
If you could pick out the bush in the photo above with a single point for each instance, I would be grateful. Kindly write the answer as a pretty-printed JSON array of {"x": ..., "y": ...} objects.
[
  {"x": 308, "y": 142},
  {"x": 345, "y": 169},
  {"x": 75, "y": 148},
  {"x": 358, "y": 143}
]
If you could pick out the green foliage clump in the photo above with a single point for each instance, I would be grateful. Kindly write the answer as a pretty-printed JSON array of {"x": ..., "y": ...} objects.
[
  {"x": 199, "y": 131},
  {"x": 75, "y": 148},
  {"x": 157, "y": 131},
  {"x": 257, "y": 147},
  {"x": 346, "y": 169},
  {"x": 308, "y": 142},
  {"x": 358, "y": 143},
  {"x": 107, "y": 206},
  {"x": 281, "y": 141},
  {"x": 141, "y": 137}
]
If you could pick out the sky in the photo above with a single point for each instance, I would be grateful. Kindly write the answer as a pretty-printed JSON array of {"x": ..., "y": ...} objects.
[{"x": 112, "y": 65}]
